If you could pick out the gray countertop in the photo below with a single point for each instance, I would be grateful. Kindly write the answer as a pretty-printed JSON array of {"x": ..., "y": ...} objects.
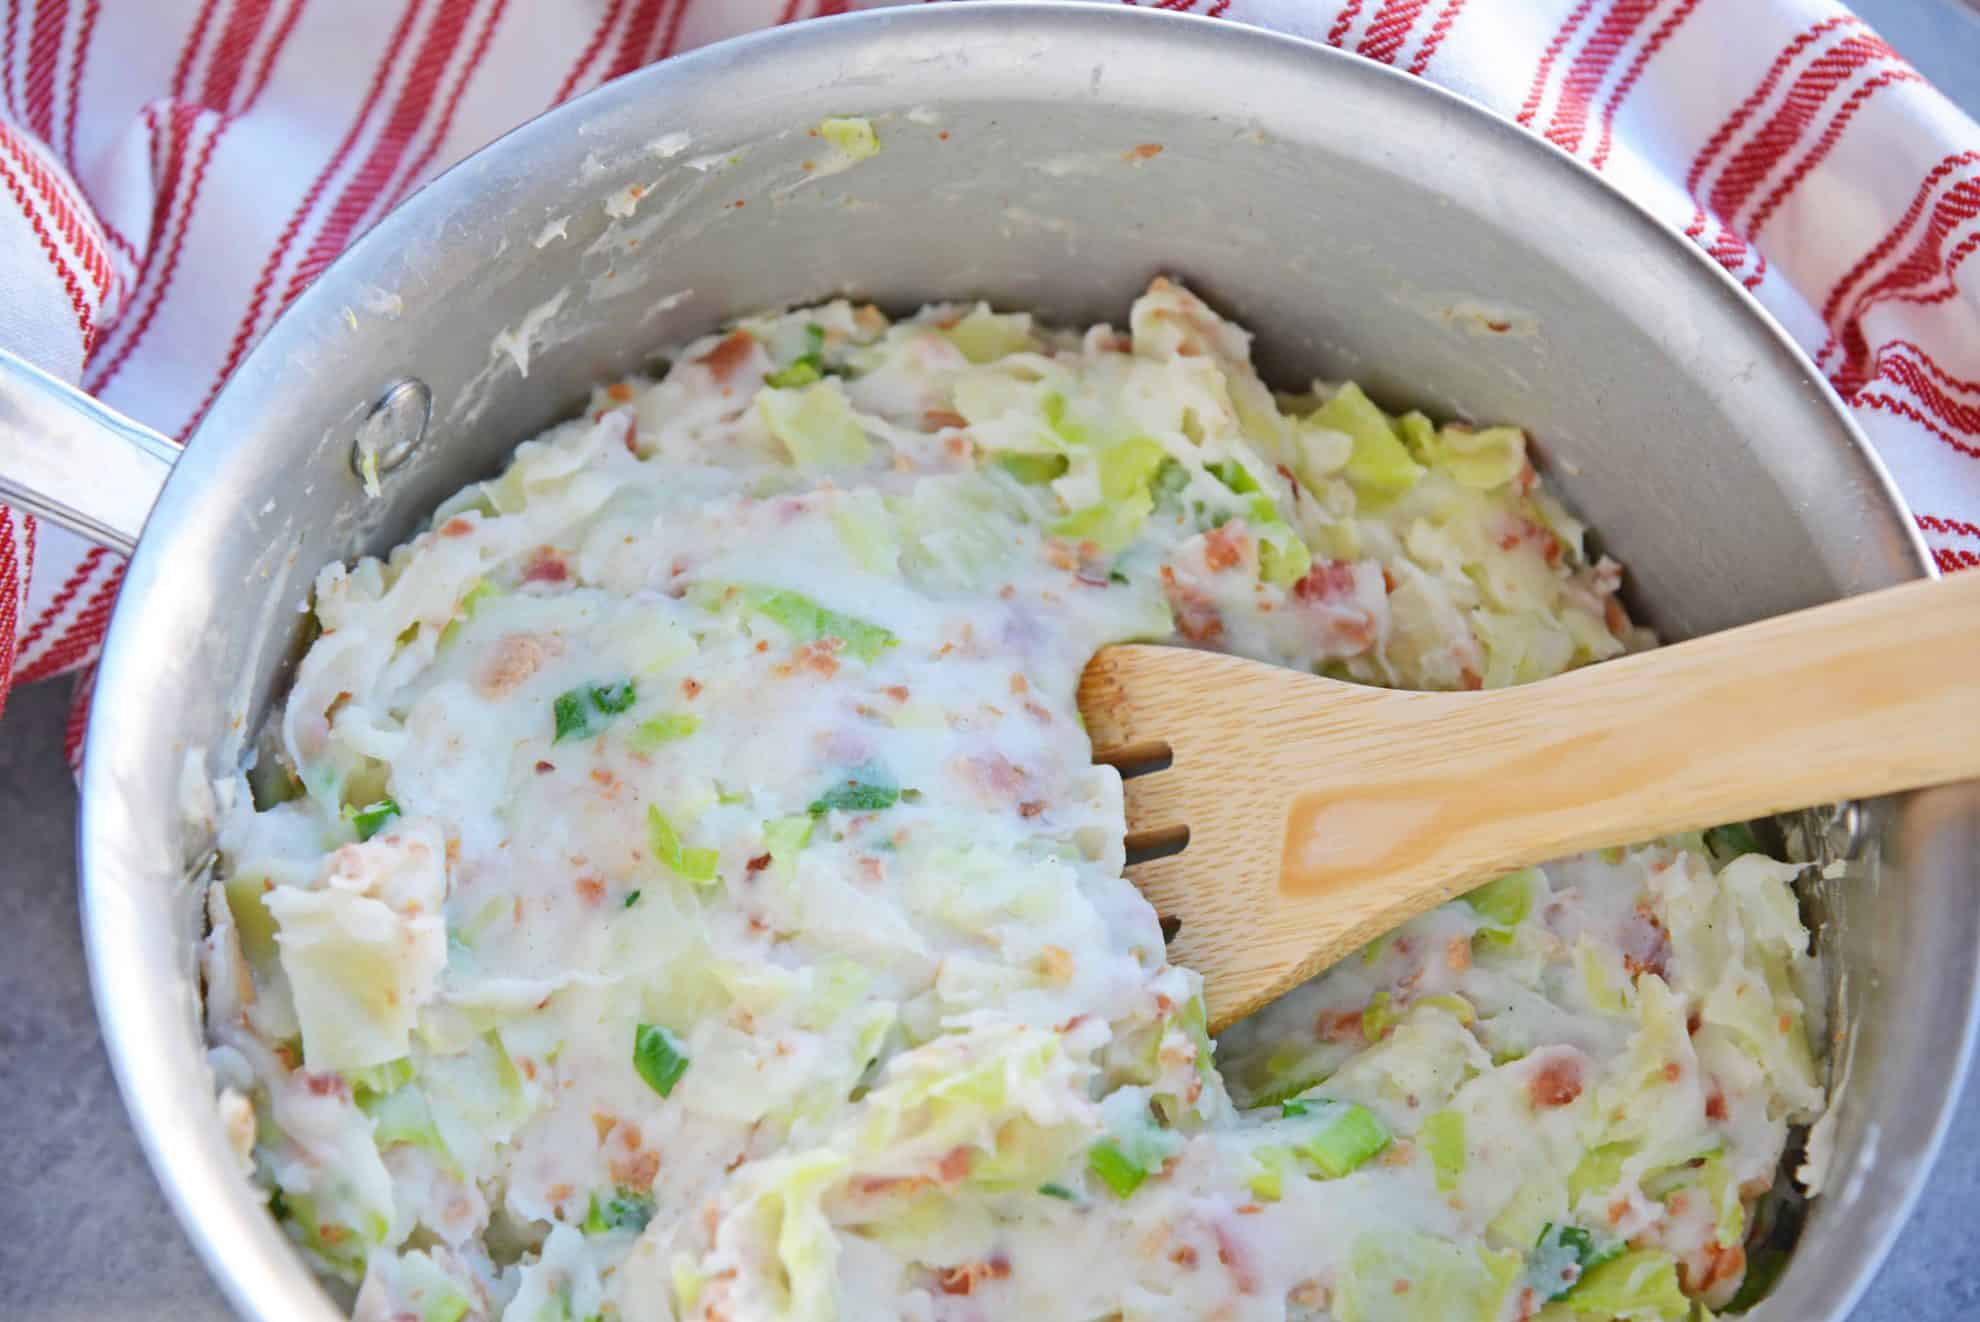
[{"x": 92, "y": 1237}]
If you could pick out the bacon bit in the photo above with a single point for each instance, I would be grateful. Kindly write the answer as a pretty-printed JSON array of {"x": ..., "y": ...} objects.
[
  {"x": 559, "y": 1193},
  {"x": 1225, "y": 547},
  {"x": 942, "y": 136},
  {"x": 1197, "y": 617},
  {"x": 871, "y": 868},
  {"x": 937, "y": 419},
  {"x": 604, "y": 1124},
  {"x": 1388, "y": 580},
  {"x": 1692, "y": 1022},
  {"x": 1072, "y": 1023},
  {"x": 1472, "y": 679},
  {"x": 1308, "y": 1293},
  {"x": 955, "y": 1164},
  {"x": 1716, "y": 1263},
  {"x": 330, "y": 1233},
  {"x": 1184, "y": 1256},
  {"x": 963, "y": 1279},
  {"x": 636, "y": 1171},
  {"x": 591, "y": 889},
  {"x": 728, "y": 355},
  {"x": 325, "y": 1085},
  {"x": 817, "y": 657},
  {"x": 513, "y": 660},
  {"x": 757, "y": 864},
  {"x": 1038, "y": 713},
  {"x": 1715, "y": 1106},
  {"x": 1527, "y": 477},
  {"x": 1248, "y": 1209},
  {"x": 1786, "y": 1023},
  {"x": 690, "y": 688},
  {"x": 1031, "y": 807},
  {"x": 1399, "y": 1153},
  {"x": 457, "y": 527},
  {"x": 544, "y": 768},
  {"x": 1019, "y": 684},
  {"x": 1673, "y": 1072},
  {"x": 545, "y": 566},
  {"x": 1457, "y": 954},
  {"x": 1231, "y": 1254},
  {"x": 959, "y": 447},
  {"x": 1326, "y": 581},
  {"x": 631, "y": 442},
  {"x": 618, "y": 392},
  {"x": 1146, "y": 151},
  {"x": 1401, "y": 1286},
  {"x": 1618, "y": 1210},
  {"x": 1615, "y": 617},
  {"x": 1555, "y": 1083},
  {"x": 1498, "y": 327},
  {"x": 1007, "y": 591},
  {"x": 875, "y": 1185},
  {"x": 1337, "y": 1025}
]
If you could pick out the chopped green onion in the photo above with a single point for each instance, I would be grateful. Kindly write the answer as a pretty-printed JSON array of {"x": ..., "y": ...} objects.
[
  {"x": 625, "y": 1210},
  {"x": 1058, "y": 1191},
  {"x": 584, "y": 710},
  {"x": 1730, "y": 842},
  {"x": 632, "y": 899},
  {"x": 659, "y": 1058},
  {"x": 868, "y": 789},
  {"x": 370, "y": 819},
  {"x": 801, "y": 372},
  {"x": 1235, "y": 476},
  {"x": 697, "y": 865},
  {"x": 1443, "y": 1139},
  {"x": 1346, "y": 1136},
  {"x": 1115, "y": 1168}
]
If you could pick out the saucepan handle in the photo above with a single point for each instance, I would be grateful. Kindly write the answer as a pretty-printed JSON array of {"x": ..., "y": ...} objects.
[{"x": 67, "y": 458}]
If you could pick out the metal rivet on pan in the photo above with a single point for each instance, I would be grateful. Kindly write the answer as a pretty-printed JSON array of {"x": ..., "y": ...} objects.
[{"x": 393, "y": 429}]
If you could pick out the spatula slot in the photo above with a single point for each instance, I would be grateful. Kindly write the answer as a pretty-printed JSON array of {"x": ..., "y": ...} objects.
[
  {"x": 1137, "y": 759},
  {"x": 1162, "y": 841}
]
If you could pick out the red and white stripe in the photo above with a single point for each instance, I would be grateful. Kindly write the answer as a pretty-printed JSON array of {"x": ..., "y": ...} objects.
[{"x": 174, "y": 173}]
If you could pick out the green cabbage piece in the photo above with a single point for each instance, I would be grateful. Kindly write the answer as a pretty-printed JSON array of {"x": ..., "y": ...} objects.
[
  {"x": 1379, "y": 467},
  {"x": 1115, "y": 1169},
  {"x": 868, "y": 789},
  {"x": 1403, "y": 1276},
  {"x": 663, "y": 729},
  {"x": 985, "y": 336},
  {"x": 816, "y": 425},
  {"x": 783, "y": 838},
  {"x": 1034, "y": 469},
  {"x": 1482, "y": 460},
  {"x": 1109, "y": 525},
  {"x": 1504, "y": 904},
  {"x": 866, "y": 527},
  {"x": 696, "y": 865},
  {"x": 851, "y": 134},
  {"x": 1638, "y": 1286},
  {"x": 808, "y": 622}
]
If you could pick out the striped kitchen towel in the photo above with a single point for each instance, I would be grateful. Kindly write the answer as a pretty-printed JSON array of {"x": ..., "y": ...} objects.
[{"x": 176, "y": 171}]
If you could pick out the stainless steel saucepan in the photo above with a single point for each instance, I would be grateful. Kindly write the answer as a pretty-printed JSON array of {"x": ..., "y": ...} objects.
[{"x": 1052, "y": 158}]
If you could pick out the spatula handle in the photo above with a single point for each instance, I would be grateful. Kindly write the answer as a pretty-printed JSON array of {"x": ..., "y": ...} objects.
[{"x": 1865, "y": 696}]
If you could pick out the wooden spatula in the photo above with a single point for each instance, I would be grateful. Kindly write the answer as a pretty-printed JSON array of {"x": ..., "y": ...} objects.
[{"x": 1314, "y": 816}]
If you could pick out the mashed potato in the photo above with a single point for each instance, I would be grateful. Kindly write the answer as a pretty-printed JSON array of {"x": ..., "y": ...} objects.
[{"x": 680, "y": 887}]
